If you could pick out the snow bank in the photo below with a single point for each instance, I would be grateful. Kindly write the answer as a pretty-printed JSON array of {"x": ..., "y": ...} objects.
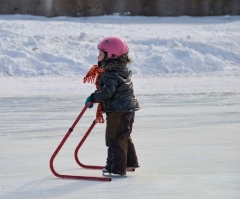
[{"x": 36, "y": 46}]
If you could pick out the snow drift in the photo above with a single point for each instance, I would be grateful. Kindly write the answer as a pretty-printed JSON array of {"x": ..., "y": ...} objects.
[{"x": 33, "y": 46}]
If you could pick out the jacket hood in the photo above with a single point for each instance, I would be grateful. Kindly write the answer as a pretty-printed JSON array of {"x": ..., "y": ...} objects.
[{"x": 118, "y": 63}]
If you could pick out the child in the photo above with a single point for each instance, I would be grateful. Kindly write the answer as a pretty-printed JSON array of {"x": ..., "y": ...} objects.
[{"x": 115, "y": 93}]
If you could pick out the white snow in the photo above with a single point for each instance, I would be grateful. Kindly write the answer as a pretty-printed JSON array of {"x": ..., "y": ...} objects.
[
  {"x": 33, "y": 46},
  {"x": 186, "y": 74}
]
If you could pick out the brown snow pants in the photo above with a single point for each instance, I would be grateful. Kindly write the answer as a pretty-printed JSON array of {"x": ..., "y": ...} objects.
[{"x": 121, "y": 150}]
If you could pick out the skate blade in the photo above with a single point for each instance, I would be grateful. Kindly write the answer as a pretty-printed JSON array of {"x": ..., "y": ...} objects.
[{"x": 112, "y": 175}]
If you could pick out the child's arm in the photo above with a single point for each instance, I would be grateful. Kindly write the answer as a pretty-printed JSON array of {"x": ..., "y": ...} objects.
[{"x": 110, "y": 85}]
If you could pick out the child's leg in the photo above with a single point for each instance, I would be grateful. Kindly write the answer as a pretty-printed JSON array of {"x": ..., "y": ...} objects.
[
  {"x": 118, "y": 129},
  {"x": 109, "y": 160},
  {"x": 118, "y": 148},
  {"x": 132, "y": 160}
]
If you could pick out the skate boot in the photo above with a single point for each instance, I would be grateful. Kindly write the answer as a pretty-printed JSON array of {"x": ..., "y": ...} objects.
[{"x": 121, "y": 172}]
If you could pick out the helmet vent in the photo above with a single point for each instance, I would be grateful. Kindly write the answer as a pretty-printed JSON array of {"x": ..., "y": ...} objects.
[{"x": 109, "y": 42}]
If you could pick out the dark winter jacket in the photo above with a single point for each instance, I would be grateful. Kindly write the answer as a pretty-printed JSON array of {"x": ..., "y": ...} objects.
[{"x": 115, "y": 87}]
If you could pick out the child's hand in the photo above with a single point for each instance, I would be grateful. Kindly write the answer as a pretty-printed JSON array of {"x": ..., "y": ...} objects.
[{"x": 87, "y": 101}]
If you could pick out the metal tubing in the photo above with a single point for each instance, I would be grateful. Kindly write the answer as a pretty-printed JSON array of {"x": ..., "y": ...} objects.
[
  {"x": 78, "y": 147},
  {"x": 62, "y": 143}
]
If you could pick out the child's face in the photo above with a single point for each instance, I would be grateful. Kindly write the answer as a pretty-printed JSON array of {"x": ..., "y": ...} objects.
[{"x": 101, "y": 55}]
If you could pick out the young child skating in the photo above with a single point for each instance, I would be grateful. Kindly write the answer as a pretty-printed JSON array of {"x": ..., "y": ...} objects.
[{"x": 116, "y": 98}]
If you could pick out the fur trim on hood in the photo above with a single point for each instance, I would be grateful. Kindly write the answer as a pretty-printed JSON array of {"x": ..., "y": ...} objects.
[{"x": 120, "y": 62}]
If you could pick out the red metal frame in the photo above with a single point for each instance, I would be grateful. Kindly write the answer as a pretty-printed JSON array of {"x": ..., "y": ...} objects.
[
  {"x": 78, "y": 147},
  {"x": 80, "y": 144}
]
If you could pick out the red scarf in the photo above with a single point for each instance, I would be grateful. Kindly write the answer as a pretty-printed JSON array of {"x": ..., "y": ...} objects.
[{"x": 93, "y": 76}]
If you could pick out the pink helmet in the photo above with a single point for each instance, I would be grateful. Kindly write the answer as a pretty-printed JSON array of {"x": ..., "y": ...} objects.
[{"x": 114, "y": 46}]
